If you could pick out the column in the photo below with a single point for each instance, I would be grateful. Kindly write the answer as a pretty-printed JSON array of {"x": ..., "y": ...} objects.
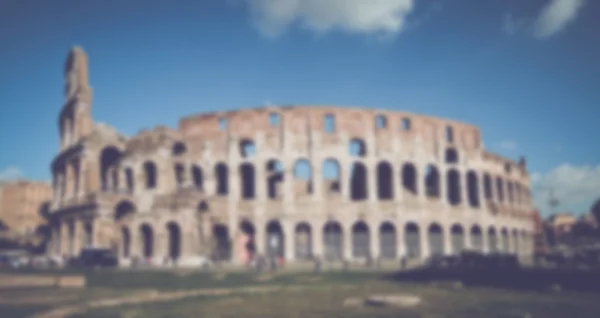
[
  {"x": 481, "y": 190},
  {"x": 345, "y": 178},
  {"x": 317, "y": 181},
  {"x": 374, "y": 240},
  {"x": 464, "y": 188},
  {"x": 400, "y": 244},
  {"x": 371, "y": 166},
  {"x": 424, "y": 241},
  {"x": 447, "y": 237},
  {"x": 316, "y": 232},
  {"x": 289, "y": 241},
  {"x": 347, "y": 241},
  {"x": 260, "y": 237},
  {"x": 260, "y": 180}
]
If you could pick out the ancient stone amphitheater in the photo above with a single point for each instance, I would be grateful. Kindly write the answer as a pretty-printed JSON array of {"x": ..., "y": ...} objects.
[{"x": 292, "y": 182}]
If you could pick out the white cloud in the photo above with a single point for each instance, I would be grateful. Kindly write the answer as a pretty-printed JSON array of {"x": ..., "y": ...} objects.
[
  {"x": 555, "y": 16},
  {"x": 387, "y": 17},
  {"x": 11, "y": 173},
  {"x": 575, "y": 187},
  {"x": 509, "y": 145}
]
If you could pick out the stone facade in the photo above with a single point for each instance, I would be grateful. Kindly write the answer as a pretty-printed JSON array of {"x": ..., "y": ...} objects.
[
  {"x": 21, "y": 203},
  {"x": 291, "y": 181}
]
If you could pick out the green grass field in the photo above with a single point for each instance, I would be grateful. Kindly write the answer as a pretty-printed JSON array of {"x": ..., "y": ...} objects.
[{"x": 296, "y": 295}]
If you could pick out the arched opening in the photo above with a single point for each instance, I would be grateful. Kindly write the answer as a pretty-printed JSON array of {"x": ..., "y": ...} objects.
[
  {"x": 197, "y": 177},
  {"x": 274, "y": 120},
  {"x": 449, "y": 134},
  {"x": 432, "y": 181},
  {"x": 409, "y": 178},
  {"x": 247, "y": 148},
  {"x": 436, "y": 239},
  {"x": 247, "y": 241},
  {"x": 405, "y": 124},
  {"x": 303, "y": 241},
  {"x": 453, "y": 185},
  {"x": 331, "y": 176},
  {"x": 477, "y": 238},
  {"x": 360, "y": 240},
  {"x": 381, "y": 122},
  {"x": 124, "y": 211},
  {"x": 385, "y": 186},
  {"x": 473, "y": 189},
  {"x": 129, "y": 180},
  {"x": 174, "y": 241},
  {"x": 451, "y": 155},
  {"x": 179, "y": 148},
  {"x": 487, "y": 187},
  {"x": 492, "y": 240},
  {"x": 387, "y": 241},
  {"x": 457, "y": 235},
  {"x": 275, "y": 240},
  {"x": 412, "y": 240},
  {"x": 109, "y": 158},
  {"x": 333, "y": 242},
  {"x": 275, "y": 178},
  {"x": 222, "y": 173},
  {"x": 329, "y": 123},
  {"x": 247, "y": 181},
  {"x": 500, "y": 189},
  {"x": 357, "y": 148},
  {"x": 147, "y": 241},
  {"x": 221, "y": 249},
  {"x": 150, "y": 174},
  {"x": 179, "y": 174},
  {"x": 358, "y": 182},
  {"x": 505, "y": 241},
  {"x": 125, "y": 242},
  {"x": 303, "y": 177}
]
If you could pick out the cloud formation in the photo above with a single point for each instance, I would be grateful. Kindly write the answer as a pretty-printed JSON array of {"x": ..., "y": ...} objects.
[
  {"x": 555, "y": 16},
  {"x": 387, "y": 17},
  {"x": 10, "y": 174},
  {"x": 574, "y": 186}
]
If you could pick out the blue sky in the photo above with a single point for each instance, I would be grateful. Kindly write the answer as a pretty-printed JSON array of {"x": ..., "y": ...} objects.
[{"x": 526, "y": 72}]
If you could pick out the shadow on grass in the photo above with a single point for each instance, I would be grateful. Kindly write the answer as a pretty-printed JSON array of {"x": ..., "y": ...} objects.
[{"x": 509, "y": 278}]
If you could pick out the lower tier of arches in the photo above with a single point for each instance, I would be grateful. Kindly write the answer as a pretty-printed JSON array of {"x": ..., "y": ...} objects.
[{"x": 239, "y": 241}]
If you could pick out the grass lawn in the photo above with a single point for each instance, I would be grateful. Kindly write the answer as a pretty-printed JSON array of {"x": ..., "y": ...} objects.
[{"x": 298, "y": 295}]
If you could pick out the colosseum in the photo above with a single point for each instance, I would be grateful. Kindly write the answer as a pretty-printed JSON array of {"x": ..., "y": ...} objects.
[{"x": 289, "y": 182}]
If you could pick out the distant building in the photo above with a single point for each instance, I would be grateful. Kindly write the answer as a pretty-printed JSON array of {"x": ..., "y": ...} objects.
[{"x": 20, "y": 205}]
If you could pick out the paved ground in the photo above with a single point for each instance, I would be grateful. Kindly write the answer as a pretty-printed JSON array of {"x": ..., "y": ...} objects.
[{"x": 190, "y": 294}]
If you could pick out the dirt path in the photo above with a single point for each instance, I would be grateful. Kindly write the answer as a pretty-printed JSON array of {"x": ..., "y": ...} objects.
[{"x": 153, "y": 297}]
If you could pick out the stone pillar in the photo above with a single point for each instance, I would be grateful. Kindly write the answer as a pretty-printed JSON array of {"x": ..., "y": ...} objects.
[
  {"x": 345, "y": 178},
  {"x": 347, "y": 242},
  {"x": 374, "y": 240},
  {"x": 424, "y": 240},
  {"x": 372, "y": 184},
  {"x": 288, "y": 182},
  {"x": 260, "y": 180},
  {"x": 443, "y": 185},
  {"x": 260, "y": 237},
  {"x": 447, "y": 237},
  {"x": 421, "y": 184},
  {"x": 400, "y": 244},
  {"x": 289, "y": 241},
  {"x": 397, "y": 182},
  {"x": 481, "y": 190},
  {"x": 464, "y": 187},
  {"x": 484, "y": 241},
  {"x": 317, "y": 182},
  {"x": 316, "y": 232}
]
